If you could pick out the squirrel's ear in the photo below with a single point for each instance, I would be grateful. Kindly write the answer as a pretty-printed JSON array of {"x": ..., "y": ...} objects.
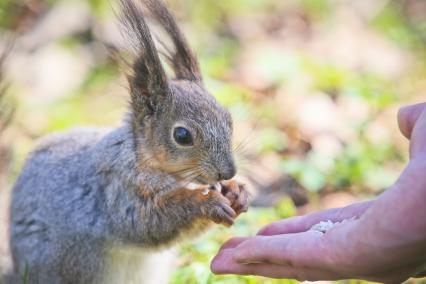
[
  {"x": 181, "y": 59},
  {"x": 148, "y": 80}
]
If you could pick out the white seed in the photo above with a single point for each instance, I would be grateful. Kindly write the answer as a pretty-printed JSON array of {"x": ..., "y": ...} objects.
[
  {"x": 323, "y": 226},
  {"x": 192, "y": 186}
]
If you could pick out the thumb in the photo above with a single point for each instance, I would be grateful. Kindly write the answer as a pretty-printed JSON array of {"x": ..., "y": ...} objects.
[
  {"x": 418, "y": 136},
  {"x": 412, "y": 123},
  {"x": 407, "y": 118}
]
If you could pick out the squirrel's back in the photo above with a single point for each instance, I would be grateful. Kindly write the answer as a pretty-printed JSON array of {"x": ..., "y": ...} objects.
[
  {"x": 70, "y": 141},
  {"x": 45, "y": 194},
  {"x": 50, "y": 159},
  {"x": 55, "y": 166}
]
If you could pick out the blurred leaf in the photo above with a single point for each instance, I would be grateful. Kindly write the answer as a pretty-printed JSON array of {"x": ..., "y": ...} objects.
[
  {"x": 271, "y": 140},
  {"x": 285, "y": 209},
  {"x": 391, "y": 23},
  {"x": 276, "y": 66},
  {"x": 312, "y": 179},
  {"x": 227, "y": 94},
  {"x": 317, "y": 8},
  {"x": 306, "y": 173},
  {"x": 219, "y": 58}
]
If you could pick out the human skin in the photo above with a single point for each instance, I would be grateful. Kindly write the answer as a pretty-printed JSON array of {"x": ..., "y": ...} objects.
[{"x": 384, "y": 242}]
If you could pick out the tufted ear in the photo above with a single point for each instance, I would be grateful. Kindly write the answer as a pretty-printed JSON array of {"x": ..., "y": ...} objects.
[
  {"x": 181, "y": 58},
  {"x": 148, "y": 80}
]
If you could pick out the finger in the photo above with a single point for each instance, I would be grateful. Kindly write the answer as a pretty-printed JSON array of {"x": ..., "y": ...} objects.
[
  {"x": 224, "y": 264},
  {"x": 407, "y": 117},
  {"x": 304, "y": 223},
  {"x": 292, "y": 249},
  {"x": 286, "y": 226},
  {"x": 418, "y": 136},
  {"x": 278, "y": 271},
  {"x": 231, "y": 243}
]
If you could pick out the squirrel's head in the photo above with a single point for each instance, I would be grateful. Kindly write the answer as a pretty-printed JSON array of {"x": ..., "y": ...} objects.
[{"x": 178, "y": 125}]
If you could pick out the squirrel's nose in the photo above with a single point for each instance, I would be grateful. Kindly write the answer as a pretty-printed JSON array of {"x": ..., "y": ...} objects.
[{"x": 227, "y": 173}]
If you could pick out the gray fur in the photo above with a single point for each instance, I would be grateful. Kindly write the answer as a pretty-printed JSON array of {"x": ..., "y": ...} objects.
[{"x": 87, "y": 191}]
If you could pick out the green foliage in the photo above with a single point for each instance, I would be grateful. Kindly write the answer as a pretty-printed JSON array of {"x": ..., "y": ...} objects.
[
  {"x": 392, "y": 23},
  {"x": 77, "y": 108},
  {"x": 101, "y": 7},
  {"x": 228, "y": 94},
  {"x": 218, "y": 59},
  {"x": 317, "y": 8},
  {"x": 7, "y": 19},
  {"x": 336, "y": 80},
  {"x": 309, "y": 175},
  {"x": 271, "y": 140},
  {"x": 360, "y": 165}
]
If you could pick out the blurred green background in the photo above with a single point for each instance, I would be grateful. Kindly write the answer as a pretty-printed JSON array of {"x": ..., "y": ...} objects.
[{"x": 314, "y": 87}]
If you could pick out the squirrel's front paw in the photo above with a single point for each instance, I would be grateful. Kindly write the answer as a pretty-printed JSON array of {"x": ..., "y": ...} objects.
[
  {"x": 218, "y": 209},
  {"x": 237, "y": 194}
]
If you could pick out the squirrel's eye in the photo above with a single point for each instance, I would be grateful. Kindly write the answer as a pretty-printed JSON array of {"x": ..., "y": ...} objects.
[{"x": 182, "y": 136}]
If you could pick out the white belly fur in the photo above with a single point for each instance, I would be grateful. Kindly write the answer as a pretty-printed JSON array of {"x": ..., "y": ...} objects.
[{"x": 132, "y": 265}]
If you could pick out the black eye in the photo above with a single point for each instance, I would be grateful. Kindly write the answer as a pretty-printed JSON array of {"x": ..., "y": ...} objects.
[{"x": 182, "y": 136}]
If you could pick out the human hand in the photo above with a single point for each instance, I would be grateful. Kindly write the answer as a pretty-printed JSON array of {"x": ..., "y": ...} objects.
[
  {"x": 380, "y": 246},
  {"x": 286, "y": 248}
]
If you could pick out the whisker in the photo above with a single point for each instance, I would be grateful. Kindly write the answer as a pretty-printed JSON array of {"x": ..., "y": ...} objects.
[
  {"x": 189, "y": 174},
  {"x": 244, "y": 160},
  {"x": 244, "y": 142},
  {"x": 185, "y": 170},
  {"x": 243, "y": 153},
  {"x": 184, "y": 176}
]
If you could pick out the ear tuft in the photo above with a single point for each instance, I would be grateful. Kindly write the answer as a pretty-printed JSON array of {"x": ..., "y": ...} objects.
[
  {"x": 182, "y": 59},
  {"x": 148, "y": 81}
]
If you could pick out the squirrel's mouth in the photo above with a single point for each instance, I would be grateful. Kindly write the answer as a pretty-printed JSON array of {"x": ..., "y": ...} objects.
[
  {"x": 212, "y": 186},
  {"x": 193, "y": 186}
]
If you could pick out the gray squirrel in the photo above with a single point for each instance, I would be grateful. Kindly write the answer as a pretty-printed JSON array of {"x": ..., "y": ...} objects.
[{"x": 91, "y": 202}]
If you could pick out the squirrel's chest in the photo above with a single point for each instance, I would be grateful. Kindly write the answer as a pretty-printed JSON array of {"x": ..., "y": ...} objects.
[{"x": 129, "y": 264}]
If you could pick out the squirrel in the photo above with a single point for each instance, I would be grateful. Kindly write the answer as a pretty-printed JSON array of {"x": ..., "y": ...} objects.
[{"x": 163, "y": 176}]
